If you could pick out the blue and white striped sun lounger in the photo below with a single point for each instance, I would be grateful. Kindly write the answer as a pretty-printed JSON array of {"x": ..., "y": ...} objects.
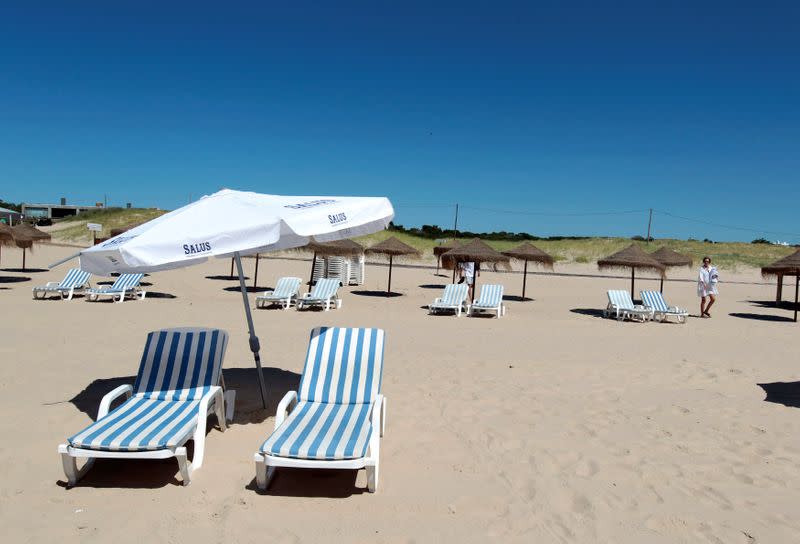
[
  {"x": 621, "y": 306},
  {"x": 126, "y": 285},
  {"x": 337, "y": 416},
  {"x": 285, "y": 293},
  {"x": 453, "y": 299},
  {"x": 661, "y": 310},
  {"x": 489, "y": 300},
  {"x": 176, "y": 387},
  {"x": 323, "y": 294},
  {"x": 75, "y": 281}
]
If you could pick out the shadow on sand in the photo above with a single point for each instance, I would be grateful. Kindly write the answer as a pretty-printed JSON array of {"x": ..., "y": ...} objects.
[
  {"x": 592, "y": 312},
  {"x": 249, "y": 288},
  {"x": 517, "y": 298},
  {"x": 783, "y": 305},
  {"x": 226, "y": 278},
  {"x": 379, "y": 294},
  {"x": 786, "y": 393},
  {"x": 24, "y": 270},
  {"x": 432, "y": 286},
  {"x": 304, "y": 482},
  {"x": 762, "y": 317},
  {"x": 14, "y": 279}
]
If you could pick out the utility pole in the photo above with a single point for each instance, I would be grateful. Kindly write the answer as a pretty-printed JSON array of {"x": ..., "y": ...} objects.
[
  {"x": 455, "y": 225},
  {"x": 649, "y": 222},
  {"x": 105, "y": 201}
]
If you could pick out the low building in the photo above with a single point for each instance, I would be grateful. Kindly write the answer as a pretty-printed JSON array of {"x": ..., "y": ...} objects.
[{"x": 55, "y": 211}]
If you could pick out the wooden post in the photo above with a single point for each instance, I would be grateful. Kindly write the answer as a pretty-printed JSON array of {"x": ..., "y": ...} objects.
[
  {"x": 313, "y": 265},
  {"x": 255, "y": 275},
  {"x": 633, "y": 271},
  {"x": 779, "y": 292},
  {"x": 524, "y": 278},
  {"x": 662, "y": 285},
  {"x": 389, "y": 287},
  {"x": 231, "y": 274},
  {"x": 23, "y": 259}
]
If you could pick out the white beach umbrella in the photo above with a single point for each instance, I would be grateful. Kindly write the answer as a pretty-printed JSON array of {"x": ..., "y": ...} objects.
[{"x": 235, "y": 223}]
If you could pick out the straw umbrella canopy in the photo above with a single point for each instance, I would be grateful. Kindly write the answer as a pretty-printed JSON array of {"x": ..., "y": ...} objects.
[
  {"x": 338, "y": 248},
  {"x": 671, "y": 259},
  {"x": 393, "y": 248},
  {"x": 788, "y": 266},
  {"x": 529, "y": 252},
  {"x": 634, "y": 258},
  {"x": 25, "y": 236},
  {"x": 6, "y": 236},
  {"x": 477, "y": 252},
  {"x": 440, "y": 250}
]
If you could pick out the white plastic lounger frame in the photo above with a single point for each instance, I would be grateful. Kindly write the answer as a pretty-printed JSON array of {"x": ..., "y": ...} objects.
[
  {"x": 285, "y": 294},
  {"x": 490, "y": 300},
  {"x": 337, "y": 416},
  {"x": 323, "y": 294},
  {"x": 74, "y": 282},
  {"x": 621, "y": 306},
  {"x": 661, "y": 310},
  {"x": 126, "y": 285},
  {"x": 454, "y": 299},
  {"x": 176, "y": 388}
]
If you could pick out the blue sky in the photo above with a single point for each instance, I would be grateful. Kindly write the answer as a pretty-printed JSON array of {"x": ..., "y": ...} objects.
[{"x": 534, "y": 116}]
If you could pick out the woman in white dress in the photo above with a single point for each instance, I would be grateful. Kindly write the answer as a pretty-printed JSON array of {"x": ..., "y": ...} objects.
[{"x": 707, "y": 281}]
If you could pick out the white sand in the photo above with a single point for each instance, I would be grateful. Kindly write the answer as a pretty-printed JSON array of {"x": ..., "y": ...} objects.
[{"x": 549, "y": 425}]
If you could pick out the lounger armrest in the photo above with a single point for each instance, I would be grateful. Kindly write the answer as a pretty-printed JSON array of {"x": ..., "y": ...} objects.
[
  {"x": 287, "y": 404},
  {"x": 105, "y": 404},
  {"x": 375, "y": 416},
  {"x": 52, "y": 284},
  {"x": 437, "y": 300}
]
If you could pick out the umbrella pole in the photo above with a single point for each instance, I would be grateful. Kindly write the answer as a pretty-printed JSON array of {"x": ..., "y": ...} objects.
[
  {"x": 231, "y": 274},
  {"x": 454, "y": 271},
  {"x": 23, "y": 259},
  {"x": 796, "y": 286},
  {"x": 255, "y": 276},
  {"x": 389, "y": 287},
  {"x": 524, "y": 278},
  {"x": 254, "y": 344},
  {"x": 633, "y": 271},
  {"x": 313, "y": 266},
  {"x": 475, "y": 280},
  {"x": 662, "y": 285},
  {"x": 438, "y": 257}
]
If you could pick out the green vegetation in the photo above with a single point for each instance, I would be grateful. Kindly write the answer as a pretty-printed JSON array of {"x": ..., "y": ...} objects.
[{"x": 73, "y": 229}]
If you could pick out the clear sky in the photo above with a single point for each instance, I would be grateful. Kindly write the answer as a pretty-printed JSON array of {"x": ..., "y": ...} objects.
[{"x": 555, "y": 111}]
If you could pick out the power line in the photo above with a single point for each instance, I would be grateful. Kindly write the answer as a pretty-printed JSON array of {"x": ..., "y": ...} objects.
[
  {"x": 731, "y": 227},
  {"x": 552, "y": 214}
]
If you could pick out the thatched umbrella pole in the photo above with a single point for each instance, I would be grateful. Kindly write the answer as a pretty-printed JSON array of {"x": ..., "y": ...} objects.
[
  {"x": 23, "y": 259},
  {"x": 633, "y": 275},
  {"x": 313, "y": 265},
  {"x": 389, "y": 286},
  {"x": 255, "y": 275},
  {"x": 524, "y": 278},
  {"x": 796, "y": 287},
  {"x": 231, "y": 274}
]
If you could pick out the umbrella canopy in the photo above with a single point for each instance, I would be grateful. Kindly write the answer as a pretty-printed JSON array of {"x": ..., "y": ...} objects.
[
  {"x": 634, "y": 258},
  {"x": 235, "y": 223},
  {"x": 338, "y": 248},
  {"x": 788, "y": 266},
  {"x": 529, "y": 252},
  {"x": 475, "y": 251},
  {"x": 440, "y": 250},
  {"x": 6, "y": 235},
  {"x": 393, "y": 248},
  {"x": 670, "y": 259}
]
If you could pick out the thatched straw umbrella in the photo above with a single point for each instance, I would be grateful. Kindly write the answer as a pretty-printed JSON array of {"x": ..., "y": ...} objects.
[
  {"x": 25, "y": 236},
  {"x": 339, "y": 248},
  {"x": 6, "y": 236},
  {"x": 634, "y": 258},
  {"x": 671, "y": 259},
  {"x": 477, "y": 252},
  {"x": 393, "y": 248},
  {"x": 440, "y": 250},
  {"x": 529, "y": 252},
  {"x": 788, "y": 266}
]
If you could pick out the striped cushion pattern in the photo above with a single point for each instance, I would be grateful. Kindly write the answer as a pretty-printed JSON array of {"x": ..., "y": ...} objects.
[
  {"x": 285, "y": 288},
  {"x": 655, "y": 300},
  {"x": 343, "y": 366},
  {"x": 74, "y": 278},
  {"x": 126, "y": 281},
  {"x": 621, "y": 299},
  {"x": 316, "y": 430},
  {"x": 491, "y": 296},
  {"x": 454, "y": 294},
  {"x": 140, "y": 424},
  {"x": 180, "y": 364},
  {"x": 325, "y": 288}
]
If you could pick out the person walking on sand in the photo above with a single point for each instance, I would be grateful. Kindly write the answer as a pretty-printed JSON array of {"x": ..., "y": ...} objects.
[
  {"x": 707, "y": 280},
  {"x": 467, "y": 271}
]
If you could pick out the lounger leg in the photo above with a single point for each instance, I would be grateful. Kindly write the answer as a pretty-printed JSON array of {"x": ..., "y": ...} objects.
[
  {"x": 70, "y": 465},
  {"x": 69, "y": 296},
  {"x": 264, "y": 473},
  {"x": 184, "y": 465},
  {"x": 219, "y": 410},
  {"x": 383, "y": 416},
  {"x": 230, "y": 404}
]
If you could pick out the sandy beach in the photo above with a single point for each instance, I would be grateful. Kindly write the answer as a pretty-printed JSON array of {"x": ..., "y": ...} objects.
[{"x": 549, "y": 425}]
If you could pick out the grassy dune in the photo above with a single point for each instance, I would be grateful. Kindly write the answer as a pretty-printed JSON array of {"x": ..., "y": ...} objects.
[{"x": 729, "y": 255}]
